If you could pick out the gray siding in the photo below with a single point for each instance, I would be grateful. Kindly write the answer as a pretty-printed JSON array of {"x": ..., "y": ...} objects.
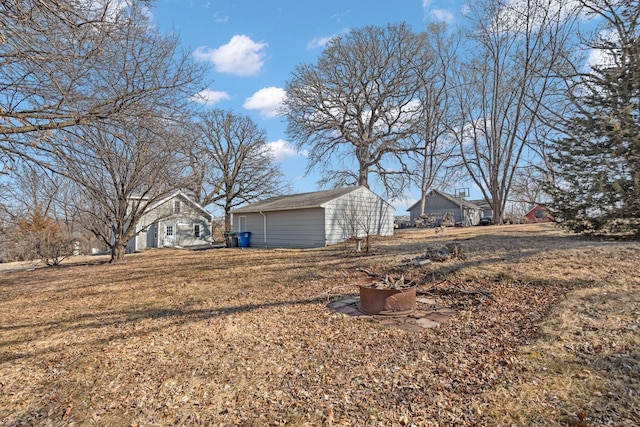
[
  {"x": 152, "y": 226},
  {"x": 438, "y": 205},
  {"x": 357, "y": 212},
  {"x": 297, "y": 228}
]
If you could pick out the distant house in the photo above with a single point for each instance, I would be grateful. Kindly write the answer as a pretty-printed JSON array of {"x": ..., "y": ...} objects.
[
  {"x": 485, "y": 208},
  {"x": 315, "y": 219},
  {"x": 173, "y": 221},
  {"x": 438, "y": 203},
  {"x": 539, "y": 213}
]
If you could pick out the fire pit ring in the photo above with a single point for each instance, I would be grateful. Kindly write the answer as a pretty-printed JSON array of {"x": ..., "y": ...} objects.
[{"x": 387, "y": 302}]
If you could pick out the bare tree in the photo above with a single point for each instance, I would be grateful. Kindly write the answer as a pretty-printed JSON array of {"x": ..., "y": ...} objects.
[
  {"x": 90, "y": 90},
  {"x": 517, "y": 55},
  {"x": 434, "y": 149},
  {"x": 74, "y": 63},
  {"x": 527, "y": 189},
  {"x": 231, "y": 163},
  {"x": 118, "y": 173},
  {"x": 360, "y": 103}
]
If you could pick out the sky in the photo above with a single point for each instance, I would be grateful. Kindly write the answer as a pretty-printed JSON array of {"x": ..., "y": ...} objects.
[{"x": 253, "y": 46}]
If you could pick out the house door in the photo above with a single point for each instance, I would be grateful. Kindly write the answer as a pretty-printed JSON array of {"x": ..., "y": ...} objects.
[
  {"x": 170, "y": 235},
  {"x": 152, "y": 236}
]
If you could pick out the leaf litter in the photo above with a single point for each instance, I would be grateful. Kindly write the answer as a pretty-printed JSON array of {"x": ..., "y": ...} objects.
[{"x": 546, "y": 333}]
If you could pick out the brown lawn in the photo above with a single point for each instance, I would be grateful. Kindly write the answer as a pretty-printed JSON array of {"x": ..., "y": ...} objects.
[{"x": 244, "y": 337}]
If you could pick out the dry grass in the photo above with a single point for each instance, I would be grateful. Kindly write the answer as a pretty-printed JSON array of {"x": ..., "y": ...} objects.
[{"x": 243, "y": 337}]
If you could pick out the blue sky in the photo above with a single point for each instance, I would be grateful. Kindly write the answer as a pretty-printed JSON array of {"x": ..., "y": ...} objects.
[{"x": 252, "y": 47}]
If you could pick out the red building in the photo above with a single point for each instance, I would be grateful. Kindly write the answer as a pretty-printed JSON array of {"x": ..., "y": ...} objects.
[{"x": 539, "y": 213}]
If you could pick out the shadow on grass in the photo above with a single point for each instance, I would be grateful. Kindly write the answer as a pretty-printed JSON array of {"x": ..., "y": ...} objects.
[
  {"x": 172, "y": 316},
  {"x": 332, "y": 258}
]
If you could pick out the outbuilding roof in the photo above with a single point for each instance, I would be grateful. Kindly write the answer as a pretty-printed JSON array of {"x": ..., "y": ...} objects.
[
  {"x": 314, "y": 199},
  {"x": 453, "y": 199}
]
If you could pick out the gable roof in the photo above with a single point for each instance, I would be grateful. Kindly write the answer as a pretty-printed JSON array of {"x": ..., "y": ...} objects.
[
  {"x": 539, "y": 206},
  {"x": 184, "y": 196},
  {"x": 481, "y": 203},
  {"x": 449, "y": 197},
  {"x": 314, "y": 199}
]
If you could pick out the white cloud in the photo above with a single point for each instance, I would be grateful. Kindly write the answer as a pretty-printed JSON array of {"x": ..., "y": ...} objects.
[
  {"x": 443, "y": 15},
  {"x": 110, "y": 10},
  {"x": 209, "y": 97},
  {"x": 281, "y": 149},
  {"x": 603, "y": 57},
  {"x": 219, "y": 18},
  {"x": 403, "y": 203},
  {"x": 426, "y": 4},
  {"x": 241, "y": 56},
  {"x": 521, "y": 16},
  {"x": 338, "y": 17},
  {"x": 267, "y": 100},
  {"x": 318, "y": 42}
]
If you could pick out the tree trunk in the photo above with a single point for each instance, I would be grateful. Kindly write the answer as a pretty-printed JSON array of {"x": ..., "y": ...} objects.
[
  {"x": 363, "y": 156},
  {"x": 363, "y": 177},
  {"x": 498, "y": 214},
  {"x": 117, "y": 253},
  {"x": 227, "y": 219}
]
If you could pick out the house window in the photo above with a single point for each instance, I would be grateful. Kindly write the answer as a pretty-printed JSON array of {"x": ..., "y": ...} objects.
[
  {"x": 242, "y": 226},
  {"x": 169, "y": 231},
  {"x": 177, "y": 206},
  {"x": 196, "y": 230}
]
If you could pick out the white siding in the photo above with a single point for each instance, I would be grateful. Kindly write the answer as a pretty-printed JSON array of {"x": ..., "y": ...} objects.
[{"x": 357, "y": 214}]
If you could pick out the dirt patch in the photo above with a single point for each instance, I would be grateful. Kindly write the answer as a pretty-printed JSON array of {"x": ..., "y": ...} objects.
[{"x": 244, "y": 337}]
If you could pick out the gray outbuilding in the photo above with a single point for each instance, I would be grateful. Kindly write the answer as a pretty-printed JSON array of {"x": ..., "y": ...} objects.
[
  {"x": 437, "y": 204},
  {"x": 315, "y": 219}
]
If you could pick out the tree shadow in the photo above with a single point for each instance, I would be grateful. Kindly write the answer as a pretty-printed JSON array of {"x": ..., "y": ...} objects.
[{"x": 87, "y": 321}]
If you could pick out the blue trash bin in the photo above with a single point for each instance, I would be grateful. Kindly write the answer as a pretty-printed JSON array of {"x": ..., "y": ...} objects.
[{"x": 244, "y": 239}]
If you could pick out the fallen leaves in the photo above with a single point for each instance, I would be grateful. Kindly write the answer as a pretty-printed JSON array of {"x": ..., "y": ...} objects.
[{"x": 232, "y": 337}]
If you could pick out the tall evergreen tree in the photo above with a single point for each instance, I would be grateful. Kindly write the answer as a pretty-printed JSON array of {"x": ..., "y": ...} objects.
[{"x": 598, "y": 162}]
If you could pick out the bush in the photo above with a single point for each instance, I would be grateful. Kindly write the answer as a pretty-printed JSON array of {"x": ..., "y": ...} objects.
[{"x": 39, "y": 237}]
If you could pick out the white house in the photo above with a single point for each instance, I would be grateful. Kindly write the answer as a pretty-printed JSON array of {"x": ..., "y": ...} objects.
[
  {"x": 173, "y": 221},
  {"x": 315, "y": 219}
]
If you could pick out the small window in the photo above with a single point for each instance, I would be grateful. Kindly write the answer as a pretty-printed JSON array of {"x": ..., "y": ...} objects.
[
  {"x": 196, "y": 230},
  {"x": 169, "y": 230},
  {"x": 177, "y": 206}
]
